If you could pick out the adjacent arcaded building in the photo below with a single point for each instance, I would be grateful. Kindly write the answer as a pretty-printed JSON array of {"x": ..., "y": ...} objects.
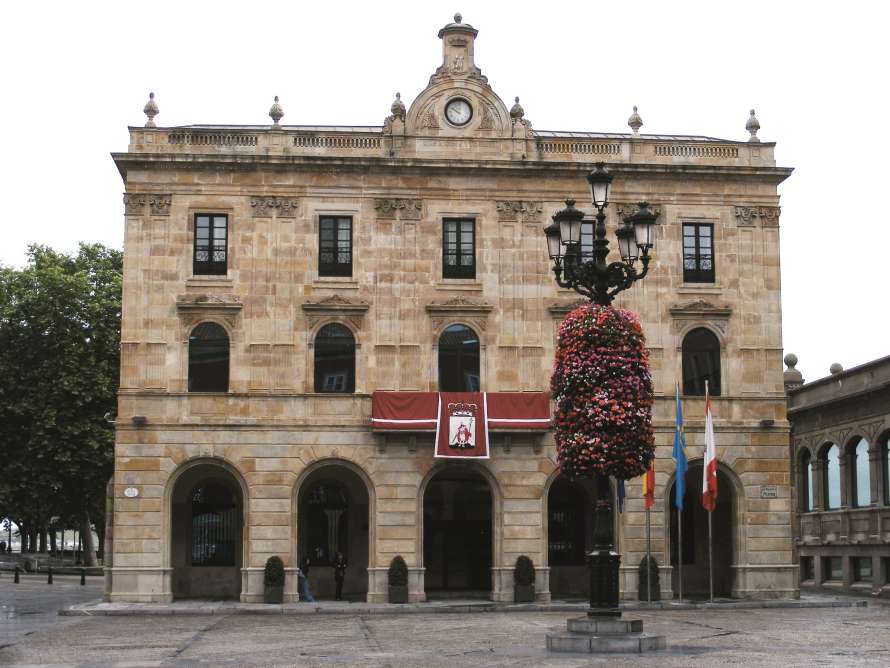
[{"x": 276, "y": 276}]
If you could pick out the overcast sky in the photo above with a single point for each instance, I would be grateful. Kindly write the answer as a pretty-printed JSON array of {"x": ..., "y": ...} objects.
[{"x": 75, "y": 74}]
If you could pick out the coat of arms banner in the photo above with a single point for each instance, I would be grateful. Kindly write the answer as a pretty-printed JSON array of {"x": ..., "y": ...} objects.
[{"x": 462, "y": 430}]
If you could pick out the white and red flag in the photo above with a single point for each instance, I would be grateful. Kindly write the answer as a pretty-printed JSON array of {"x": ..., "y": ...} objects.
[{"x": 709, "y": 477}]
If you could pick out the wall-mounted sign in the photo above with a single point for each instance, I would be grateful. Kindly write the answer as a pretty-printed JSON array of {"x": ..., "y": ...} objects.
[
  {"x": 769, "y": 492},
  {"x": 131, "y": 492}
]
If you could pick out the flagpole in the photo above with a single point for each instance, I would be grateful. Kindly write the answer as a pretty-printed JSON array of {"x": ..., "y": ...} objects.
[
  {"x": 648, "y": 557},
  {"x": 680, "y": 553},
  {"x": 710, "y": 556}
]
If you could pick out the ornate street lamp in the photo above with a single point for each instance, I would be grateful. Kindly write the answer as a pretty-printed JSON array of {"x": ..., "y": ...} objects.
[{"x": 591, "y": 276}]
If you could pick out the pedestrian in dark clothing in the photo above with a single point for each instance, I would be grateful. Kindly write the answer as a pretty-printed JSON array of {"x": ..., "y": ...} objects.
[{"x": 339, "y": 574}]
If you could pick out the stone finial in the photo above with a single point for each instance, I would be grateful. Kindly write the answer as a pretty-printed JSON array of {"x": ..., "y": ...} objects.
[
  {"x": 398, "y": 107},
  {"x": 276, "y": 113},
  {"x": 635, "y": 122},
  {"x": 792, "y": 377},
  {"x": 752, "y": 126},
  {"x": 151, "y": 110},
  {"x": 835, "y": 369},
  {"x": 516, "y": 111},
  {"x": 458, "y": 18}
]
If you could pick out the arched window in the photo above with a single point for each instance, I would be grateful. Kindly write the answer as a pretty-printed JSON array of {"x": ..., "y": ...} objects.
[
  {"x": 208, "y": 359},
  {"x": 806, "y": 482},
  {"x": 334, "y": 359},
  {"x": 831, "y": 466},
  {"x": 861, "y": 492},
  {"x": 214, "y": 525},
  {"x": 701, "y": 362},
  {"x": 458, "y": 360}
]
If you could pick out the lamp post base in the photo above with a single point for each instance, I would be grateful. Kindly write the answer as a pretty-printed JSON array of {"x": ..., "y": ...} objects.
[{"x": 604, "y": 572}]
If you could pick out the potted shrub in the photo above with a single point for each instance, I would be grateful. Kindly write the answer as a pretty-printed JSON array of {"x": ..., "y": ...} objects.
[
  {"x": 398, "y": 580},
  {"x": 273, "y": 581},
  {"x": 524, "y": 580},
  {"x": 650, "y": 575}
]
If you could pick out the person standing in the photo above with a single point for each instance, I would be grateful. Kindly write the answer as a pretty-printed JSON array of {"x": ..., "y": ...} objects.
[
  {"x": 303, "y": 580},
  {"x": 339, "y": 575}
]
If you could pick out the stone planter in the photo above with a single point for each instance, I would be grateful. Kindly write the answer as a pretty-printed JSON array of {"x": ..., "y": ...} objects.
[
  {"x": 272, "y": 594},
  {"x": 524, "y": 593},
  {"x": 398, "y": 593}
]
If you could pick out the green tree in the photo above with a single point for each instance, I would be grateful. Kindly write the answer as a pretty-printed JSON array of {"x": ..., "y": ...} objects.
[{"x": 59, "y": 370}]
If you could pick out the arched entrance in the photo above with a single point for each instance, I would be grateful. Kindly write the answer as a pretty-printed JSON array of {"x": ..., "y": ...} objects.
[
  {"x": 570, "y": 527},
  {"x": 695, "y": 537},
  {"x": 207, "y": 517},
  {"x": 457, "y": 534},
  {"x": 332, "y": 516}
]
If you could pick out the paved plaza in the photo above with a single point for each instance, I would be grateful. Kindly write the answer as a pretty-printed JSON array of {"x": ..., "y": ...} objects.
[{"x": 850, "y": 636}]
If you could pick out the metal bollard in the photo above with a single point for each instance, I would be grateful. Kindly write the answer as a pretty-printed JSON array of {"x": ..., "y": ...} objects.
[
  {"x": 16, "y": 581},
  {"x": 83, "y": 576},
  {"x": 49, "y": 575}
]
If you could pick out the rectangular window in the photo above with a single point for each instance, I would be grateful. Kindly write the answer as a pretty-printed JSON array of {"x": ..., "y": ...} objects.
[
  {"x": 335, "y": 246},
  {"x": 459, "y": 248},
  {"x": 211, "y": 245},
  {"x": 832, "y": 568},
  {"x": 861, "y": 569},
  {"x": 698, "y": 253},
  {"x": 586, "y": 241},
  {"x": 806, "y": 569}
]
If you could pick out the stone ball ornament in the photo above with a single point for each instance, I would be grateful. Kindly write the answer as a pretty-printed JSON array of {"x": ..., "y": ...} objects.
[{"x": 602, "y": 389}]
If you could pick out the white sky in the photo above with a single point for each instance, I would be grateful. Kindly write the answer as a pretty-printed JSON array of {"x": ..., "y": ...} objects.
[{"x": 73, "y": 75}]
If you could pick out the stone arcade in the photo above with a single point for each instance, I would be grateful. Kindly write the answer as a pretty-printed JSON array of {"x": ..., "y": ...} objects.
[{"x": 277, "y": 275}]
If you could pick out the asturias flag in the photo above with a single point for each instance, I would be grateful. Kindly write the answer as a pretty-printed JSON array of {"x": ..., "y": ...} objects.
[
  {"x": 679, "y": 456},
  {"x": 709, "y": 478}
]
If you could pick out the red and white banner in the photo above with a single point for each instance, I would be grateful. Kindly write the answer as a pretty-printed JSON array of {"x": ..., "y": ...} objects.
[
  {"x": 461, "y": 419},
  {"x": 462, "y": 431},
  {"x": 406, "y": 411},
  {"x": 709, "y": 475}
]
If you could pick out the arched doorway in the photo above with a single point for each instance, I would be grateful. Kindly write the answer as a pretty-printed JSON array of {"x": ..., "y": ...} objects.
[
  {"x": 457, "y": 534},
  {"x": 207, "y": 518},
  {"x": 332, "y": 516},
  {"x": 570, "y": 530},
  {"x": 695, "y": 537}
]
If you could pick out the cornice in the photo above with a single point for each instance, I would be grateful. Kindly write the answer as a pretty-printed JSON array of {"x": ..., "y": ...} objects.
[{"x": 238, "y": 162}]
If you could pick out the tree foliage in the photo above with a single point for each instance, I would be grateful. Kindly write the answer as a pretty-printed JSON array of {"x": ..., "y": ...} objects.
[{"x": 59, "y": 369}]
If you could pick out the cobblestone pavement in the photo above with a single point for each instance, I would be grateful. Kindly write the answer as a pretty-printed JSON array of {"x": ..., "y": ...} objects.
[
  {"x": 767, "y": 637},
  {"x": 33, "y": 604}
]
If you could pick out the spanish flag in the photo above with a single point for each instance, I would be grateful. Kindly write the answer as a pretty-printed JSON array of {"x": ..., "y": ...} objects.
[{"x": 649, "y": 485}]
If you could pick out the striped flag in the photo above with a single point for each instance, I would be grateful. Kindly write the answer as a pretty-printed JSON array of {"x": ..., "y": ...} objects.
[
  {"x": 649, "y": 485},
  {"x": 679, "y": 455},
  {"x": 709, "y": 478}
]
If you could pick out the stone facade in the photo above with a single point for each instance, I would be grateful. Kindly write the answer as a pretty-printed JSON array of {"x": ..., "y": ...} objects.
[
  {"x": 842, "y": 518},
  {"x": 271, "y": 432}
]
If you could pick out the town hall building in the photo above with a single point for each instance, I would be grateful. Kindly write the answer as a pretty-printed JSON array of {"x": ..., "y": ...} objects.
[{"x": 294, "y": 296}]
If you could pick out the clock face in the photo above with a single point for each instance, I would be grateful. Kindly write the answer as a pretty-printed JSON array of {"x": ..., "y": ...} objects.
[{"x": 458, "y": 111}]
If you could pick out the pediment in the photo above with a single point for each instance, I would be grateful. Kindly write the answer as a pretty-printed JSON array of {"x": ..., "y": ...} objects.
[
  {"x": 336, "y": 304},
  {"x": 700, "y": 308},
  {"x": 207, "y": 302},
  {"x": 426, "y": 115},
  {"x": 458, "y": 306}
]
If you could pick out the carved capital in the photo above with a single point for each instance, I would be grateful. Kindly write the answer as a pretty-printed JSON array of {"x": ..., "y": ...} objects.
[
  {"x": 134, "y": 204},
  {"x": 515, "y": 210},
  {"x": 395, "y": 207},
  {"x": 747, "y": 216},
  {"x": 283, "y": 207},
  {"x": 627, "y": 209},
  {"x": 159, "y": 205}
]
